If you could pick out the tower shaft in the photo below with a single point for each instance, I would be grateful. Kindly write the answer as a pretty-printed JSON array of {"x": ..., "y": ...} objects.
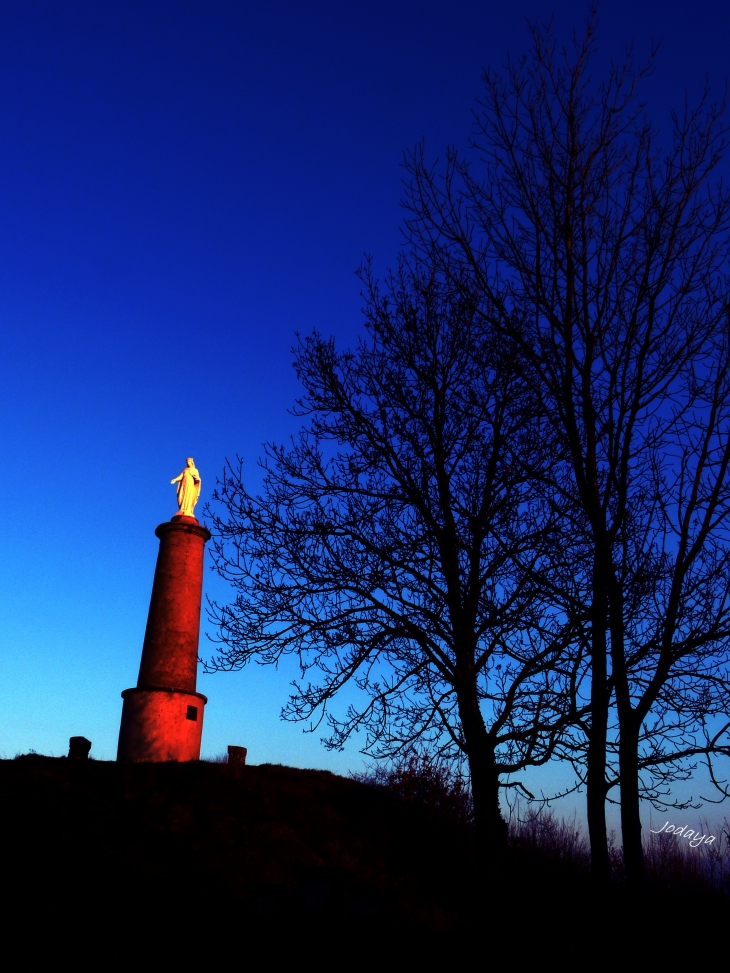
[{"x": 162, "y": 716}]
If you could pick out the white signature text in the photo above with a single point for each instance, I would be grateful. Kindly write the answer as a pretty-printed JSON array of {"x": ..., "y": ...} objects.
[{"x": 694, "y": 837}]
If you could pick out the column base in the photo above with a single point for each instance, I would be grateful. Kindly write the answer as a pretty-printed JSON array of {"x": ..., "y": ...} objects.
[{"x": 160, "y": 724}]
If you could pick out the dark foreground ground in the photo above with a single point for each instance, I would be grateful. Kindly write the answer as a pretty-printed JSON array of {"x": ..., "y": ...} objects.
[{"x": 106, "y": 865}]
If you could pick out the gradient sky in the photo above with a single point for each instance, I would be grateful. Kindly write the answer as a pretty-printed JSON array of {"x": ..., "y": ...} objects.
[{"x": 183, "y": 185}]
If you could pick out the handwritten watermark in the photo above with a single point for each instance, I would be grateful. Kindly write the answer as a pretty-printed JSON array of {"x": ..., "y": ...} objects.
[{"x": 694, "y": 837}]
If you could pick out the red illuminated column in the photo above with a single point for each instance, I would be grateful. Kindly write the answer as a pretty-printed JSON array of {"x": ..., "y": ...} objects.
[{"x": 162, "y": 717}]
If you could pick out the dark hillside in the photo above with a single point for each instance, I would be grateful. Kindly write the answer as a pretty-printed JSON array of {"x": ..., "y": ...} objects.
[
  {"x": 109, "y": 864},
  {"x": 188, "y": 854}
]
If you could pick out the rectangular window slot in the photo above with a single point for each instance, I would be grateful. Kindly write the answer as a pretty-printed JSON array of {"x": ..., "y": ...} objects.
[{"x": 192, "y": 713}]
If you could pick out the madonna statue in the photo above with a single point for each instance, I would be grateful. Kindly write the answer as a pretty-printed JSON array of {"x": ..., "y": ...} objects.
[{"x": 188, "y": 489}]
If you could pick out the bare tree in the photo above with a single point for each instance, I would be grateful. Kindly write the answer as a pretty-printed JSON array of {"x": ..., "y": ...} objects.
[
  {"x": 604, "y": 258},
  {"x": 394, "y": 543}
]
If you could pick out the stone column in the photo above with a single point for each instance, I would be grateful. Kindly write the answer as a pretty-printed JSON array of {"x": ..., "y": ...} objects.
[{"x": 162, "y": 717}]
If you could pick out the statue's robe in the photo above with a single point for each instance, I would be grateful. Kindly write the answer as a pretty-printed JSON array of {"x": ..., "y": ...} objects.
[{"x": 188, "y": 490}]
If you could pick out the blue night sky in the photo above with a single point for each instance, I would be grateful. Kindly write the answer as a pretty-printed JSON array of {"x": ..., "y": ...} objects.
[{"x": 183, "y": 185}]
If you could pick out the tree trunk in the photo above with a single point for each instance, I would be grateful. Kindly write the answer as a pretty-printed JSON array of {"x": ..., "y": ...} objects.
[
  {"x": 628, "y": 758},
  {"x": 490, "y": 826},
  {"x": 628, "y": 747},
  {"x": 596, "y": 770},
  {"x": 596, "y": 763}
]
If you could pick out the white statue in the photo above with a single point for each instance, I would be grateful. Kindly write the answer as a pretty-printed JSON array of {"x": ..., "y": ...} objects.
[{"x": 188, "y": 489}]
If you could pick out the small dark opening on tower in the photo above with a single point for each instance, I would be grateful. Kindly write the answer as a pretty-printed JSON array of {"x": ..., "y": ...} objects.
[{"x": 192, "y": 713}]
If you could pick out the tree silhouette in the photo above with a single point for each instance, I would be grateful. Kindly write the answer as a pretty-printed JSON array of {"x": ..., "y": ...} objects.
[
  {"x": 395, "y": 542},
  {"x": 604, "y": 258}
]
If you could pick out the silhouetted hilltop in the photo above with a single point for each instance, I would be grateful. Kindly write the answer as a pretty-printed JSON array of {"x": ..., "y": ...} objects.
[
  {"x": 197, "y": 851},
  {"x": 110, "y": 863}
]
